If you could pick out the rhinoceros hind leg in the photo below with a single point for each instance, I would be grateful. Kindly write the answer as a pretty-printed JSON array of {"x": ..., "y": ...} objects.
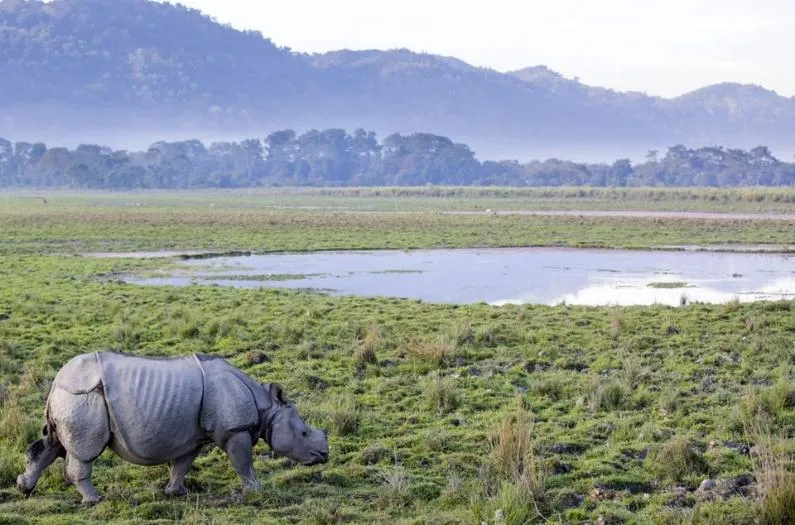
[
  {"x": 79, "y": 474},
  {"x": 239, "y": 449},
  {"x": 38, "y": 456},
  {"x": 84, "y": 431},
  {"x": 179, "y": 468}
]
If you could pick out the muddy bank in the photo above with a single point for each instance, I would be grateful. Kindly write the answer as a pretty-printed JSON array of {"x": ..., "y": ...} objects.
[{"x": 165, "y": 254}]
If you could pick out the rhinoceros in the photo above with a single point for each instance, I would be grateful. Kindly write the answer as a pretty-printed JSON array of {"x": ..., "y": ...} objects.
[{"x": 151, "y": 411}]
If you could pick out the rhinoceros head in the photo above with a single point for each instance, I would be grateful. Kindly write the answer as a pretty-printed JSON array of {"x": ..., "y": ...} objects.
[{"x": 289, "y": 435}]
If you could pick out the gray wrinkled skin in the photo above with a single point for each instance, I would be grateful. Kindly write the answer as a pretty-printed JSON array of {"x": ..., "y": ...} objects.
[{"x": 151, "y": 411}]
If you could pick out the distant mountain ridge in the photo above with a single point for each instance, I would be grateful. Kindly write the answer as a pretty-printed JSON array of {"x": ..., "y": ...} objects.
[{"x": 122, "y": 68}]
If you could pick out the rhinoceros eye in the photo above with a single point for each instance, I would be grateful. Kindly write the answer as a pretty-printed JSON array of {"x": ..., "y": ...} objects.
[{"x": 304, "y": 433}]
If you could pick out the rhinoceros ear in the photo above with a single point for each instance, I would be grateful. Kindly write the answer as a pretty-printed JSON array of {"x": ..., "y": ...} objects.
[{"x": 276, "y": 393}]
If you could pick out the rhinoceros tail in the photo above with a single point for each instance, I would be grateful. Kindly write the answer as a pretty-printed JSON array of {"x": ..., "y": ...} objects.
[{"x": 48, "y": 432}]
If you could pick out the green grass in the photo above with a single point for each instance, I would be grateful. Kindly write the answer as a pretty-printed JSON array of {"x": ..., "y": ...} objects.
[
  {"x": 436, "y": 413},
  {"x": 668, "y": 284},
  {"x": 736, "y": 200},
  {"x": 101, "y": 222}
]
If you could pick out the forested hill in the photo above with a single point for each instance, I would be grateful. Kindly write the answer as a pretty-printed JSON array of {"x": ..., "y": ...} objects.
[
  {"x": 336, "y": 158},
  {"x": 123, "y": 69}
]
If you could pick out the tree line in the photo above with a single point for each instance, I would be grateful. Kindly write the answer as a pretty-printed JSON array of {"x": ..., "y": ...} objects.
[{"x": 334, "y": 157}]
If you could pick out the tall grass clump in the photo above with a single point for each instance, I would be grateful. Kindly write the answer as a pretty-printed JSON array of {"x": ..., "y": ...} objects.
[
  {"x": 677, "y": 459},
  {"x": 344, "y": 416},
  {"x": 3, "y": 394},
  {"x": 439, "y": 352},
  {"x": 633, "y": 372},
  {"x": 441, "y": 394},
  {"x": 462, "y": 334},
  {"x": 607, "y": 394},
  {"x": 513, "y": 479},
  {"x": 774, "y": 470},
  {"x": 455, "y": 492},
  {"x": 395, "y": 487},
  {"x": 319, "y": 512},
  {"x": 365, "y": 353},
  {"x": 16, "y": 426},
  {"x": 765, "y": 405},
  {"x": 511, "y": 447},
  {"x": 182, "y": 325},
  {"x": 551, "y": 385},
  {"x": 127, "y": 335},
  {"x": 9, "y": 469},
  {"x": 616, "y": 324}
]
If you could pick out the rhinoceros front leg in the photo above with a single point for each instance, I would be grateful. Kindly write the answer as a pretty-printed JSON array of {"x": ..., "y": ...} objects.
[
  {"x": 239, "y": 449},
  {"x": 179, "y": 468}
]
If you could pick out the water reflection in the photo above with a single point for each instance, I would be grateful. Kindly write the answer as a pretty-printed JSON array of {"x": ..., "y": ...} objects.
[
  {"x": 641, "y": 293},
  {"x": 503, "y": 276}
]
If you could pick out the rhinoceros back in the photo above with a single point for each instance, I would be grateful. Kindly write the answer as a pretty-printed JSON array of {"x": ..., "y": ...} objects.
[{"x": 154, "y": 405}]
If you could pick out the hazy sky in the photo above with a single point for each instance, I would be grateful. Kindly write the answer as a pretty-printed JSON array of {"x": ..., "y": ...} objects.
[{"x": 661, "y": 47}]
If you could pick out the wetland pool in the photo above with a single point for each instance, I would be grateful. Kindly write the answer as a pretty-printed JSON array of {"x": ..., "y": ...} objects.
[{"x": 505, "y": 275}]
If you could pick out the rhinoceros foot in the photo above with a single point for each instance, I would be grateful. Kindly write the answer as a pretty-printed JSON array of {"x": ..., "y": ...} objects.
[
  {"x": 91, "y": 500},
  {"x": 176, "y": 492}
]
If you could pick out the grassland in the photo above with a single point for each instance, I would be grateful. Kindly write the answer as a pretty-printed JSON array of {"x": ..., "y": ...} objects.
[
  {"x": 726, "y": 200},
  {"x": 437, "y": 413},
  {"x": 75, "y": 223}
]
